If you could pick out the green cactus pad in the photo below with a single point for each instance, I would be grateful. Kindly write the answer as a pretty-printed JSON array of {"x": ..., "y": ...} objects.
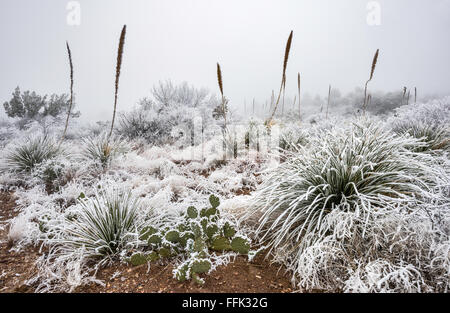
[
  {"x": 192, "y": 212},
  {"x": 228, "y": 230},
  {"x": 204, "y": 223},
  {"x": 154, "y": 239},
  {"x": 199, "y": 245},
  {"x": 201, "y": 266},
  {"x": 164, "y": 252},
  {"x": 215, "y": 202},
  {"x": 138, "y": 259},
  {"x": 211, "y": 212},
  {"x": 185, "y": 238},
  {"x": 182, "y": 228},
  {"x": 220, "y": 244},
  {"x": 203, "y": 212},
  {"x": 197, "y": 279},
  {"x": 173, "y": 236},
  {"x": 211, "y": 231},
  {"x": 240, "y": 245},
  {"x": 152, "y": 256},
  {"x": 146, "y": 232},
  {"x": 182, "y": 272}
]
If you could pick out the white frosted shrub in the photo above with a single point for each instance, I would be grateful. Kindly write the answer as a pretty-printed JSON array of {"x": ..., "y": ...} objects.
[
  {"x": 25, "y": 155},
  {"x": 88, "y": 235},
  {"x": 103, "y": 149},
  {"x": 428, "y": 122},
  {"x": 356, "y": 195}
]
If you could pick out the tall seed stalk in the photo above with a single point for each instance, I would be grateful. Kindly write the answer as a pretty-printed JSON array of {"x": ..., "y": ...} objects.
[
  {"x": 415, "y": 94},
  {"x": 224, "y": 109},
  {"x": 284, "y": 92},
  {"x": 403, "y": 95},
  {"x": 220, "y": 82},
  {"x": 118, "y": 68},
  {"x": 329, "y": 96},
  {"x": 283, "y": 78},
  {"x": 253, "y": 106},
  {"x": 372, "y": 70},
  {"x": 298, "y": 85},
  {"x": 69, "y": 54}
]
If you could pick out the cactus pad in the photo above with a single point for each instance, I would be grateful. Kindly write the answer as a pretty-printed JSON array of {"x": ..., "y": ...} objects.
[
  {"x": 146, "y": 232},
  {"x": 138, "y": 259},
  {"x": 228, "y": 230},
  {"x": 154, "y": 239},
  {"x": 201, "y": 266},
  {"x": 215, "y": 202},
  {"x": 240, "y": 245},
  {"x": 220, "y": 244},
  {"x": 192, "y": 212},
  {"x": 173, "y": 236}
]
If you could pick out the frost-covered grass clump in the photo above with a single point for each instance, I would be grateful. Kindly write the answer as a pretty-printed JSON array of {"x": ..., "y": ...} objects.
[
  {"x": 88, "y": 235},
  {"x": 102, "y": 149},
  {"x": 340, "y": 209},
  {"x": 24, "y": 156},
  {"x": 429, "y": 122},
  {"x": 435, "y": 137},
  {"x": 102, "y": 225}
]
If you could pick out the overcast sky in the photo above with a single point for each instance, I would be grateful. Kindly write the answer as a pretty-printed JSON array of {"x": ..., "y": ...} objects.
[{"x": 183, "y": 39}]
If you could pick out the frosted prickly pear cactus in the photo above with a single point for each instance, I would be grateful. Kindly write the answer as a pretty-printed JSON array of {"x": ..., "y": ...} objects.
[
  {"x": 138, "y": 259},
  {"x": 146, "y": 232},
  {"x": 214, "y": 201},
  {"x": 192, "y": 212},
  {"x": 221, "y": 244},
  {"x": 240, "y": 245},
  {"x": 173, "y": 236},
  {"x": 201, "y": 266},
  {"x": 194, "y": 237},
  {"x": 228, "y": 230}
]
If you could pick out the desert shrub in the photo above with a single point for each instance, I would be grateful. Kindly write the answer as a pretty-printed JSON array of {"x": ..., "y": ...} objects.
[
  {"x": 292, "y": 137},
  {"x": 103, "y": 149},
  {"x": 52, "y": 173},
  {"x": 29, "y": 106},
  {"x": 321, "y": 210},
  {"x": 169, "y": 108},
  {"x": 24, "y": 156},
  {"x": 434, "y": 137},
  {"x": 429, "y": 122}
]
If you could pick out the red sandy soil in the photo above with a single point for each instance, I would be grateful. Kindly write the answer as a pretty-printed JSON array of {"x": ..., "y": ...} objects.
[{"x": 238, "y": 277}]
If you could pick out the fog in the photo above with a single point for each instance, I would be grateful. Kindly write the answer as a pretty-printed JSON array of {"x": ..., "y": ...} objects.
[{"x": 183, "y": 39}]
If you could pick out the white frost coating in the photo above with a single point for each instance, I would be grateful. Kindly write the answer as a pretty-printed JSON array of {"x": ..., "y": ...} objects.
[
  {"x": 380, "y": 242},
  {"x": 18, "y": 228}
]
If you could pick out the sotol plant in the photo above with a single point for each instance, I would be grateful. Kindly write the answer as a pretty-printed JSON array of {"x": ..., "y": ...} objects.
[
  {"x": 24, "y": 156},
  {"x": 358, "y": 170},
  {"x": 103, "y": 149},
  {"x": 102, "y": 226}
]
